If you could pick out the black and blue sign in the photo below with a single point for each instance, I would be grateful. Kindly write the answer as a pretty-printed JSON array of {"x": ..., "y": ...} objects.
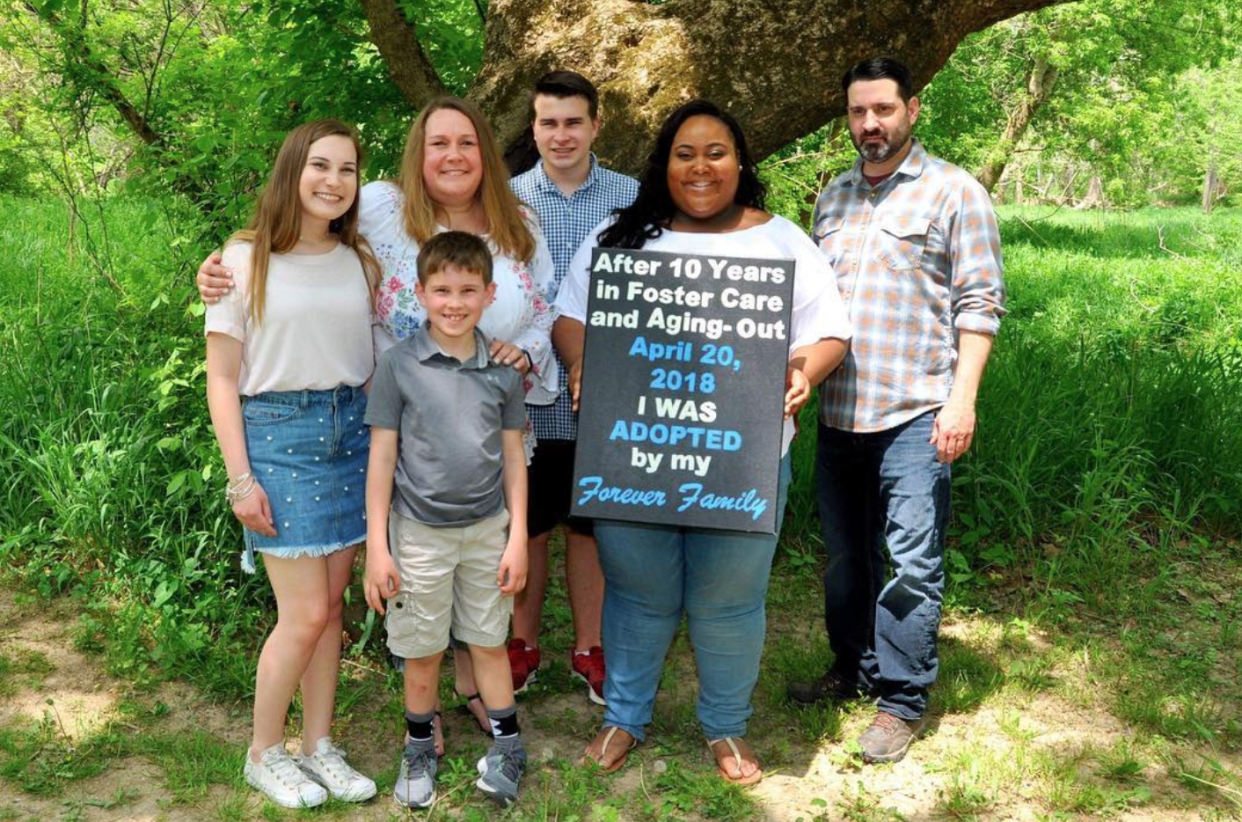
[{"x": 683, "y": 386}]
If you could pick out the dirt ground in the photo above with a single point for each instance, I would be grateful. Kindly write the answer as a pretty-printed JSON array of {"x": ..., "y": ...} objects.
[{"x": 804, "y": 782}]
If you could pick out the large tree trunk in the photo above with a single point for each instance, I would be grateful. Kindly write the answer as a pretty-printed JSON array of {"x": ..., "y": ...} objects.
[
  {"x": 775, "y": 65},
  {"x": 1039, "y": 85}
]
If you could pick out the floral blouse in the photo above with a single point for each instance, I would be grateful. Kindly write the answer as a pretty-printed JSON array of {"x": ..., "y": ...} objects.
[{"x": 521, "y": 313}]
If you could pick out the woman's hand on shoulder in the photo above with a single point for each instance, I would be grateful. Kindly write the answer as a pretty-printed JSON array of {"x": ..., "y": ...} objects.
[
  {"x": 506, "y": 353},
  {"x": 797, "y": 390},
  {"x": 254, "y": 512},
  {"x": 214, "y": 280}
]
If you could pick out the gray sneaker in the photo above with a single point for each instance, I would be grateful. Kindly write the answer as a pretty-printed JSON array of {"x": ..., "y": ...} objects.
[
  {"x": 501, "y": 771},
  {"x": 888, "y": 737},
  {"x": 416, "y": 780}
]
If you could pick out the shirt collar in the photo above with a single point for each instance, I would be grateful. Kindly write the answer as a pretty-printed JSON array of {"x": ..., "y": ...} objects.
[
  {"x": 541, "y": 176},
  {"x": 912, "y": 166},
  {"x": 426, "y": 349}
]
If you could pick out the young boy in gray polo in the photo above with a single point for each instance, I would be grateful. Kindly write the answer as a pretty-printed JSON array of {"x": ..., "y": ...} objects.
[{"x": 446, "y": 434}]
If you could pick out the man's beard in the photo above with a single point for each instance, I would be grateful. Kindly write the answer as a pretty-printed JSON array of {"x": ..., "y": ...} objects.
[{"x": 880, "y": 152}]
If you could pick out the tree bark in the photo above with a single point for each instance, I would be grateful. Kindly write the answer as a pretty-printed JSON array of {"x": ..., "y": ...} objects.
[
  {"x": 1039, "y": 85},
  {"x": 397, "y": 41},
  {"x": 1211, "y": 188},
  {"x": 775, "y": 65},
  {"x": 1095, "y": 194}
]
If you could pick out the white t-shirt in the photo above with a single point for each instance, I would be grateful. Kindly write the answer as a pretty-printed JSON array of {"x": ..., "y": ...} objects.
[
  {"x": 521, "y": 313},
  {"x": 316, "y": 328},
  {"x": 817, "y": 309}
]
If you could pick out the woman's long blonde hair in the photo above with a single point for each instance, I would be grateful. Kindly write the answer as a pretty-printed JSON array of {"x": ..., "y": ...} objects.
[
  {"x": 277, "y": 221},
  {"x": 505, "y": 225}
]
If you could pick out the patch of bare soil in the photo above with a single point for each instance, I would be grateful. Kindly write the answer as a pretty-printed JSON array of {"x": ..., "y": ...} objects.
[{"x": 804, "y": 781}]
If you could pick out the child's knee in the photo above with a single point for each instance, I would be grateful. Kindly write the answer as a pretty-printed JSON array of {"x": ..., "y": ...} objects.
[
  {"x": 489, "y": 652},
  {"x": 422, "y": 675}
]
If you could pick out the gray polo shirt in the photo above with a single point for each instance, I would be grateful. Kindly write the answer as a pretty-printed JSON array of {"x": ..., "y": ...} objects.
[{"x": 449, "y": 414}]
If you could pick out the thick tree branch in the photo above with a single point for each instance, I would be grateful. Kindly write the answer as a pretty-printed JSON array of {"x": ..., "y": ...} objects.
[
  {"x": 99, "y": 77},
  {"x": 1039, "y": 85},
  {"x": 397, "y": 41},
  {"x": 774, "y": 65}
]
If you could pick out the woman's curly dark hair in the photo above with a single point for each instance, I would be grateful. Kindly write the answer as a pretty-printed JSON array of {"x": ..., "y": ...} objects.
[{"x": 652, "y": 211}]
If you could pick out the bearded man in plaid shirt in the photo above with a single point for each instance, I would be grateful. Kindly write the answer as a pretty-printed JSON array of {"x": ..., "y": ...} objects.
[{"x": 916, "y": 250}]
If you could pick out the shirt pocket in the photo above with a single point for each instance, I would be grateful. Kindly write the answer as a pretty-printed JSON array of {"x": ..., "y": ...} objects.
[
  {"x": 903, "y": 241},
  {"x": 827, "y": 234}
]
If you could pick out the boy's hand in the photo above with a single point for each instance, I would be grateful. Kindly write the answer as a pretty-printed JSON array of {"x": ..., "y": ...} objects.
[
  {"x": 511, "y": 576},
  {"x": 381, "y": 581}
]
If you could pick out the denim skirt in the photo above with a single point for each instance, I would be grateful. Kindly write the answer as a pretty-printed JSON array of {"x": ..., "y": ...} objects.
[{"x": 308, "y": 450}]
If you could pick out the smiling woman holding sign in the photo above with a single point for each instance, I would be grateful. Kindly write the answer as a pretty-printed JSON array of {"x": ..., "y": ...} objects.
[{"x": 699, "y": 195}]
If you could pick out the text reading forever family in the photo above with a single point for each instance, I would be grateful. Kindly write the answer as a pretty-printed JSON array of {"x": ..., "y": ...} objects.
[{"x": 399, "y": 365}]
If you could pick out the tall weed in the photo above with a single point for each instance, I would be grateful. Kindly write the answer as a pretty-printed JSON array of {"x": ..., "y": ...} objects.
[
  {"x": 106, "y": 443},
  {"x": 1110, "y": 423}
]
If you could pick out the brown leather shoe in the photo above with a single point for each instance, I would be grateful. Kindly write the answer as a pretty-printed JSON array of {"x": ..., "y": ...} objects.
[{"x": 888, "y": 737}]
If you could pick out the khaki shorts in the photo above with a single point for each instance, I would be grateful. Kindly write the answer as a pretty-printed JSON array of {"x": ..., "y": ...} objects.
[{"x": 448, "y": 579}]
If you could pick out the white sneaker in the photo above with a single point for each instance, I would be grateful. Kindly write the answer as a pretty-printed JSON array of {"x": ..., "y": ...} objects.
[
  {"x": 280, "y": 779},
  {"x": 328, "y": 767}
]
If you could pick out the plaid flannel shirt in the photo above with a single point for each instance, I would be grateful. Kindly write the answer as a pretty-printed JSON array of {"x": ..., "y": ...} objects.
[
  {"x": 566, "y": 222},
  {"x": 917, "y": 259}
]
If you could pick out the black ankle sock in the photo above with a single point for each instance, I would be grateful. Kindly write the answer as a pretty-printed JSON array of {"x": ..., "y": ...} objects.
[
  {"x": 418, "y": 726},
  {"x": 504, "y": 722}
]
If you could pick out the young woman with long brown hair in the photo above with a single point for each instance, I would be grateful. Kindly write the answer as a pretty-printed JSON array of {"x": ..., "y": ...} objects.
[{"x": 288, "y": 352}]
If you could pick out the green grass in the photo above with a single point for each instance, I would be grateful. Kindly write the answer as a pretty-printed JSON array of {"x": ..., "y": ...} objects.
[{"x": 1094, "y": 557}]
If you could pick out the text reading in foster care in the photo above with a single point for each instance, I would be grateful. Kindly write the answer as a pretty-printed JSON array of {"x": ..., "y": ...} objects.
[{"x": 706, "y": 274}]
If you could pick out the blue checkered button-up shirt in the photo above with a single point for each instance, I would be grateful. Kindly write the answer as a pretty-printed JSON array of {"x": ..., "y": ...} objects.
[
  {"x": 566, "y": 222},
  {"x": 917, "y": 258}
]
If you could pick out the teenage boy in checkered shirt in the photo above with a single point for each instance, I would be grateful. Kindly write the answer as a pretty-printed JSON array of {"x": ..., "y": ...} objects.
[{"x": 572, "y": 194}]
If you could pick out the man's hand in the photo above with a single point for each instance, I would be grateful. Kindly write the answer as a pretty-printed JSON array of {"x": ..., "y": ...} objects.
[
  {"x": 511, "y": 576},
  {"x": 213, "y": 280},
  {"x": 381, "y": 581},
  {"x": 953, "y": 430},
  {"x": 255, "y": 512}
]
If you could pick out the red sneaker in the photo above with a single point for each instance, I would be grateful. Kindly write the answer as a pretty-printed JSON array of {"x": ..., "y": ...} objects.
[
  {"x": 589, "y": 667},
  {"x": 524, "y": 664}
]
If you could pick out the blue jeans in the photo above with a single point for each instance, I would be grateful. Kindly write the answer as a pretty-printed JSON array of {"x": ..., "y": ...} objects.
[
  {"x": 720, "y": 579},
  {"x": 884, "y": 499}
]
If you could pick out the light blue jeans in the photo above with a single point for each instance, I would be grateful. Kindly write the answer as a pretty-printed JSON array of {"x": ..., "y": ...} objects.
[{"x": 652, "y": 573}]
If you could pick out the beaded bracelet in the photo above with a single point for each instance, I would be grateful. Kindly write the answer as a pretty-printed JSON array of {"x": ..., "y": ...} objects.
[{"x": 241, "y": 487}]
